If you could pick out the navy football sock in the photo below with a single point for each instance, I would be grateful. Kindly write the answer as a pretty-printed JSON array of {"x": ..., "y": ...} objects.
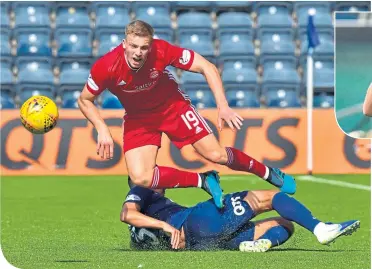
[
  {"x": 277, "y": 235},
  {"x": 291, "y": 209}
]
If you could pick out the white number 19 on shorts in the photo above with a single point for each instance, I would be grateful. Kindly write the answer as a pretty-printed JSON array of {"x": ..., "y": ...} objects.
[{"x": 190, "y": 118}]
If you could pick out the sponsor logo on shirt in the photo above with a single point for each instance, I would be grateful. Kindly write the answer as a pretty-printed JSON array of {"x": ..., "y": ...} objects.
[
  {"x": 186, "y": 56},
  {"x": 154, "y": 74},
  {"x": 133, "y": 197}
]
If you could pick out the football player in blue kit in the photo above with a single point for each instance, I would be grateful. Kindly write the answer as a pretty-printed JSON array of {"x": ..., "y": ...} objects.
[{"x": 156, "y": 222}]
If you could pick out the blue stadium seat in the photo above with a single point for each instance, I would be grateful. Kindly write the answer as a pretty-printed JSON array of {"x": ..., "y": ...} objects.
[
  {"x": 242, "y": 98},
  {"x": 111, "y": 14},
  {"x": 326, "y": 46},
  {"x": 323, "y": 100},
  {"x": 276, "y": 42},
  {"x": 235, "y": 42},
  {"x": 154, "y": 13},
  {"x": 323, "y": 74},
  {"x": 187, "y": 6},
  {"x": 31, "y": 14},
  {"x": 276, "y": 96},
  {"x": 273, "y": 15},
  {"x": 74, "y": 42},
  {"x": 5, "y": 46},
  {"x": 4, "y": 16},
  {"x": 189, "y": 78},
  {"x": 73, "y": 16},
  {"x": 232, "y": 6},
  {"x": 69, "y": 99},
  {"x": 35, "y": 71},
  {"x": 197, "y": 40},
  {"x": 108, "y": 40},
  {"x": 165, "y": 34},
  {"x": 6, "y": 73},
  {"x": 201, "y": 98},
  {"x": 194, "y": 20},
  {"x": 110, "y": 101},
  {"x": 74, "y": 72},
  {"x": 33, "y": 42},
  {"x": 6, "y": 101},
  {"x": 228, "y": 20},
  {"x": 351, "y": 9},
  {"x": 239, "y": 74},
  {"x": 280, "y": 71},
  {"x": 27, "y": 91},
  {"x": 322, "y": 18}
]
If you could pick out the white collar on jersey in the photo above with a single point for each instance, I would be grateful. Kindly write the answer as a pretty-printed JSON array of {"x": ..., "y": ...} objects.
[{"x": 125, "y": 56}]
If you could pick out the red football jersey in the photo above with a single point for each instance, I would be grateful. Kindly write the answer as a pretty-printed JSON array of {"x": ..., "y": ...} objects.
[{"x": 151, "y": 88}]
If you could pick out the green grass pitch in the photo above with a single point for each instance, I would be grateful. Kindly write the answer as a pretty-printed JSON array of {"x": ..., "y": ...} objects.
[{"x": 73, "y": 222}]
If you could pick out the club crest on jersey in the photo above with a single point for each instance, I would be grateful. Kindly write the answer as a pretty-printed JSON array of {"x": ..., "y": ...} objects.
[
  {"x": 154, "y": 74},
  {"x": 186, "y": 56}
]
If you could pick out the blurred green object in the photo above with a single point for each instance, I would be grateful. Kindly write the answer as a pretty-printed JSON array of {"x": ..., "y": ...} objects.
[{"x": 353, "y": 76}]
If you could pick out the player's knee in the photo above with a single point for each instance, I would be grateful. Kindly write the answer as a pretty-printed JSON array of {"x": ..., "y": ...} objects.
[
  {"x": 141, "y": 177},
  {"x": 217, "y": 156}
]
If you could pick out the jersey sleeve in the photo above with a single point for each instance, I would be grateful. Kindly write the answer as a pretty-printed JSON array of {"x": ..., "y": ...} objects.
[
  {"x": 178, "y": 57},
  {"x": 98, "y": 78},
  {"x": 138, "y": 195}
]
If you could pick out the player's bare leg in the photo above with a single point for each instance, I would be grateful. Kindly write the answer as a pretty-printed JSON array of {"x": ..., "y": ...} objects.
[
  {"x": 237, "y": 160},
  {"x": 143, "y": 171},
  {"x": 292, "y": 210}
]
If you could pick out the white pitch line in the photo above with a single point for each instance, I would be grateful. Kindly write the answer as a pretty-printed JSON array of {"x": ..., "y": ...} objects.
[{"x": 334, "y": 182}]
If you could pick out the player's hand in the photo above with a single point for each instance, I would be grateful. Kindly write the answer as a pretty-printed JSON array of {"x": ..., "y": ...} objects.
[
  {"x": 174, "y": 234},
  {"x": 225, "y": 113},
  {"x": 105, "y": 144}
]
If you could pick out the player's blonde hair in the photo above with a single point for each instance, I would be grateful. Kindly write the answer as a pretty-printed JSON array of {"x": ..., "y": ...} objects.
[{"x": 139, "y": 28}]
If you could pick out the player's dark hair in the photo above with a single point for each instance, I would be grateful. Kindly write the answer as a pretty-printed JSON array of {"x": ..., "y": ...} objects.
[{"x": 139, "y": 28}]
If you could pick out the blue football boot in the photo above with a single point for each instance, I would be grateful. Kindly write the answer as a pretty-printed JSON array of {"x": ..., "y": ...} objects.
[
  {"x": 284, "y": 182},
  {"x": 211, "y": 184}
]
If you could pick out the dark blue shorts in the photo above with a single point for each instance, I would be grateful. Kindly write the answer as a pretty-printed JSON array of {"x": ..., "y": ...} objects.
[{"x": 208, "y": 227}]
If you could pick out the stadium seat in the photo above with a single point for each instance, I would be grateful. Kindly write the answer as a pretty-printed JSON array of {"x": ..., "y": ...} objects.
[
  {"x": 194, "y": 20},
  {"x": 73, "y": 16},
  {"x": 6, "y": 73},
  {"x": 111, "y": 15},
  {"x": 33, "y": 42},
  {"x": 69, "y": 99},
  {"x": 273, "y": 15},
  {"x": 189, "y": 78},
  {"x": 322, "y": 18},
  {"x": 74, "y": 72},
  {"x": 232, "y": 6},
  {"x": 323, "y": 75},
  {"x": 283, "y": 97},
  {"x": 351, "y": 9},
  {"x": 280, "y": 71},
  {"x": 110, "y": 101},
  {"x": 187, "y": 6},
  {"x": 4, "y": 15},
  {"x": 242, "y": 98},
  {"x": 326, "y": 46},
  {"x": 27, "y": 91},
  {"x": 323, "y": 100},
  {"x": 235, "y": 42},
  {"x": 35, "y": 71},
  {"x": 277, "y": 42},
  {"x": 165, "y": 34},
  {"x": 108, "y": 40},
  {"x": 234, "y": 20},
  {"x": 239, "y": 75},
  {"x": 6, "y": 101},
  {"x": 201, "y": 98},
  {"x": 74, "y": 42},
  {"x": 5, "y": 45},
  {"x": 199, "y": 40},
  {"x": 31, "y": 14},
  {"x": 154, "y": 13}
]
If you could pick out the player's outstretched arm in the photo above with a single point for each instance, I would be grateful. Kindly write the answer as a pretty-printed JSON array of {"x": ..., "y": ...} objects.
[
  {"x": 211, "y": 74},
  {"x": 367, "y": 105},
  {"x": 131, "y": 215},
  {"x": 105, "y": 143}
]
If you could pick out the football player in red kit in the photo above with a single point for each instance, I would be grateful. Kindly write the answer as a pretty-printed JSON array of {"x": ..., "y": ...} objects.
[{"x": 135, "y": 72}]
